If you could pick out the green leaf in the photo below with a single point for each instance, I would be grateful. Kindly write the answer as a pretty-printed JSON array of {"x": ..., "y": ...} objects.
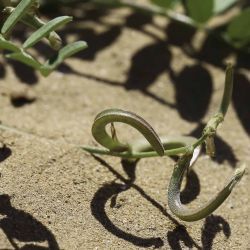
[
  {"x": 163, "y": 3},
  {"x": 35, "y": 22},
  {"x": 221, "y": 5},
  {"x": 25, "y": 58},
  {"x": 239, "y": 27},
  {"x": 16, "y": 15},
  {"x": 45, "y": 30},
  {"x": 64, "y": 53},
  {"x": 200, "y": 10},
  {"x": 5, "y": 44}
]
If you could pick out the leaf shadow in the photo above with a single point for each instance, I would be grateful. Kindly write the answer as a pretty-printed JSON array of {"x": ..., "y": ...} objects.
[
  {"x": 24, "y": 73},
  {"x": 2, "y": 70},
  {"x": 241, "y": 100},
  {"x": 193, "y": 91},
  {"x": 20, "y": 226},
  {"x": 179, "y": 35},
  {"x": 214, "y": 51},
  {"x": 5, "y": 153},
  {"x": 96, "y": 41},
  {"x": 146, "y": 66}
]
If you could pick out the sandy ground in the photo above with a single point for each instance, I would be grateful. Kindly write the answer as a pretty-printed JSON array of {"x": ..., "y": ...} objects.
[{"x": 56, "y": 196}]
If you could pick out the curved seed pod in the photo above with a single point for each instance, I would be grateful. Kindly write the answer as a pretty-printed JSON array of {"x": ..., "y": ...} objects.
[
  {"x": 182, "y": 211},
  {"x": 117, "y": 115}
]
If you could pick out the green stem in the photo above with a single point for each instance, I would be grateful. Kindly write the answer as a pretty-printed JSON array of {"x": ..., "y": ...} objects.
[
  {"x": 151, "y": 9},
  {"x": 138, "y": 155},
  {"x": 228, "y": 90},
  {"x": 211, "y": 127},
  {"x": 213, "y": 123}
]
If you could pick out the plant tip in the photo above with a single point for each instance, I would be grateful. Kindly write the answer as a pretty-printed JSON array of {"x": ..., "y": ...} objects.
[{"x": 239, "y": 172}]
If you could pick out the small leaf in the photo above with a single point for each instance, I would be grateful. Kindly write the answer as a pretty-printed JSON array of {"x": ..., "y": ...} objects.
[
  {"x": 16, "y": 15},
  {"x": 220, "y": 5},
  {"x": 4, "y": 44},
  {"x": 64, "y": 53},
  {"x": 239, "y": 28},
  {"x": 25, "y": 58},
  {"x": 200, "y": 10},
  {"x": 35, "y": 22},
  {"x": 45, "y": 30}
]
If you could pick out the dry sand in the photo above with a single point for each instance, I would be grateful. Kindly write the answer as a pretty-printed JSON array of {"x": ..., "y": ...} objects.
[{"x": 56, "y": 196}]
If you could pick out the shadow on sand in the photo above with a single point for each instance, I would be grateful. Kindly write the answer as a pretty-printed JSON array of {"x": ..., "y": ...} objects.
[{"x": 21, "y": 227}]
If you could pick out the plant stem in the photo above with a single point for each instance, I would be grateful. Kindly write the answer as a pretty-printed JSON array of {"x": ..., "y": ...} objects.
[
  {"x": 213, "y": 123},
  {"x": 129, "y": 155},
  {"x": 151, "y": 9},
  {"x": 228, "y": 89}
]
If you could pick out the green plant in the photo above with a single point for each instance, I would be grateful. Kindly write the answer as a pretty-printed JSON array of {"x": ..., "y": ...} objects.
[
  {"x": 188, "y": 147},
  {"x": 198, "y": 14},
  {"x": 25, "y": 12}
]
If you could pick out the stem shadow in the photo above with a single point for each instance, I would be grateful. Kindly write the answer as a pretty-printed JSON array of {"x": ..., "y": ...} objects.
[
  {"x": 178, "y": 235},
  {"x": 191, "y": 189},
  {"x": 213, "y": 225},
  {"x": 111, "y": 191},
  {"x": 224, "y": 152}
]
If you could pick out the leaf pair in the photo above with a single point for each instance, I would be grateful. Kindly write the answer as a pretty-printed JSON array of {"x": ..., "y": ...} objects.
[
  {"x": 237, "y": 31},
  {"x": 199, "y": 10}
]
